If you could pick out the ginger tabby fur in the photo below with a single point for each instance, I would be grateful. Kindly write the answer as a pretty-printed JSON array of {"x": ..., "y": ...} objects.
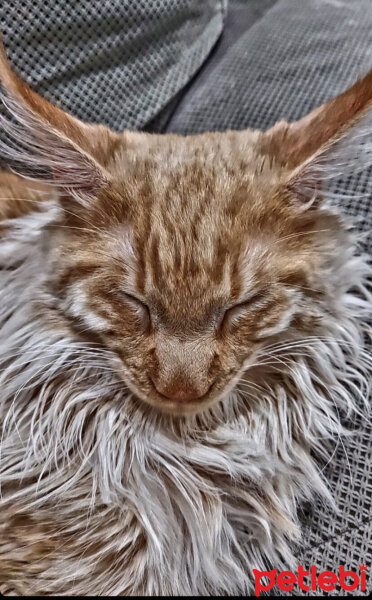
[{"x": 179, "y": 332}]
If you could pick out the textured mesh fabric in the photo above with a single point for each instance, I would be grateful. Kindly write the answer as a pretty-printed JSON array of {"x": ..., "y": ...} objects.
[
  {"x": 241, "y": 15},
  {"x": 116, "y": 62},
  {"x": 298, "y": 55}
]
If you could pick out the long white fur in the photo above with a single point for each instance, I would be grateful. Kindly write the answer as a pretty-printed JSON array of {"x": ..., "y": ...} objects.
[{"x": 117, "y": 475}]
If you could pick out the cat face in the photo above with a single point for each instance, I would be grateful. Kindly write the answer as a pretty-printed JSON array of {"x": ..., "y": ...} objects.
[
  {"x": 186, "y": 273},
  {"x": 186, "y": 256}
]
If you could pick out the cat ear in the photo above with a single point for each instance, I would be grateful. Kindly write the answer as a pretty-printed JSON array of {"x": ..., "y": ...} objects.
[
  {"x": 46, "y": 140},
  {"x": 332, "y": 141}
]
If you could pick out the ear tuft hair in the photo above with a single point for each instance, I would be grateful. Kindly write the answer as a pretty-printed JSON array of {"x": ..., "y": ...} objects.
[
  {"x": 342, "y": 157},
  {"x": 333, "y": 141},
  {"x": 44, "y": 142},
  {"x": 38, "y": 152}
]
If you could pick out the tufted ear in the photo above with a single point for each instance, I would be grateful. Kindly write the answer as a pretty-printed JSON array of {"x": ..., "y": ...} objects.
[
  {"x": 45, "y": 139},
  {"x": 332, "y": 141}
]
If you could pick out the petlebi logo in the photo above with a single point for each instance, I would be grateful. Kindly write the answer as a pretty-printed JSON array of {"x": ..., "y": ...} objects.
[{"x": 310, "y": 580}]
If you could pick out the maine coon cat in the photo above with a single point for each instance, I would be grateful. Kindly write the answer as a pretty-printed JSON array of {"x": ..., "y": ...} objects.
[{"x": 180, "y": 336}]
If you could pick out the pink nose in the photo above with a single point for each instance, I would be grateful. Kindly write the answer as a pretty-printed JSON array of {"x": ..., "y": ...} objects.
[{"x": 178, "y": 391}]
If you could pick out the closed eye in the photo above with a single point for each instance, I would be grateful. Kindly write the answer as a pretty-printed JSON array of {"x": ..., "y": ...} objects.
[
  {"x": 141, "y": 309},
  {"x": 235, "y": 312}
]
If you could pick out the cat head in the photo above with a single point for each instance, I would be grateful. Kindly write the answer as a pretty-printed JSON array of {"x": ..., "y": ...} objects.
[{"x": 186, "y": 256}]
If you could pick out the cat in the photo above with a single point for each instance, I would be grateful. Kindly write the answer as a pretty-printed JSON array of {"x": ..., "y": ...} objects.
[{"x": 181, "y": 332}]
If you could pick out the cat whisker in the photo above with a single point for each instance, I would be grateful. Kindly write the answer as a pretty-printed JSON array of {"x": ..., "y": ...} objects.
[{"x": 300, "y": 234}]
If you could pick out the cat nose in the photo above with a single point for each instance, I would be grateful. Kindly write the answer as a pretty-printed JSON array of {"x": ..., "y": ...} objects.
[{"x": 179, "y": 391}]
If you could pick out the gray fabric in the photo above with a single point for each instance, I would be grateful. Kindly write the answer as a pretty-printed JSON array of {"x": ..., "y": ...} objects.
[
  {"x": 297, "y": 56},
  {"x": 116, "y": 62},
  {"x": 241, "y": 15}
]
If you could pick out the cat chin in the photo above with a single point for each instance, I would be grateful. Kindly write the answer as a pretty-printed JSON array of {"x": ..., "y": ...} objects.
[
  {"x": 181, "y": 409},
  {"x": 172, "y": 407}
]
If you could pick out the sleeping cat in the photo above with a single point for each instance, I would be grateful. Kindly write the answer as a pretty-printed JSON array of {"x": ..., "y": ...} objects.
[{"x": 180, "y": 334}]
